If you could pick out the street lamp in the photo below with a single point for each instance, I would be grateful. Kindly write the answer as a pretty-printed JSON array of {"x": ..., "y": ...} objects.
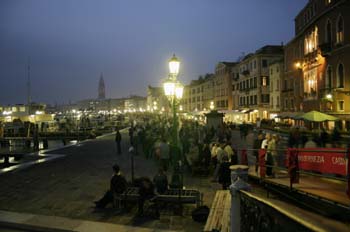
[
  {"x": 211, "y": 105},
  {"x": 173, "y": 90}
]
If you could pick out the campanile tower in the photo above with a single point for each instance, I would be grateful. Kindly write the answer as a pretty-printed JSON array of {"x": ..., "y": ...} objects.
[{"x": 101, "y": 88}]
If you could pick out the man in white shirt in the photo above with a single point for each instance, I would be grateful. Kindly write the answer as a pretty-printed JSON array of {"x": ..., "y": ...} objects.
[{"x": 265, "y": 142}]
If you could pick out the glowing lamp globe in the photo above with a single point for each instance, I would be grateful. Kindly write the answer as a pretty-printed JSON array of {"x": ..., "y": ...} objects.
[{"x": 174, "y": 65}]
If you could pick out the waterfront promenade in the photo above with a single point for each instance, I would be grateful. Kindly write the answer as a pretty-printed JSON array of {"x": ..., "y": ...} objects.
[
  {"x": 62, "y": 191},
  {"x": 68, "y": 186}
]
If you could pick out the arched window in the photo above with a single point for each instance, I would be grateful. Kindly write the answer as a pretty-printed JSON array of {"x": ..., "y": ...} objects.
[
  {"x": 340, "y": 76},
  {"x": 328, "y": 32},
  {"x": 340, "y": 30},
  {"x": 329, "y": 77}
]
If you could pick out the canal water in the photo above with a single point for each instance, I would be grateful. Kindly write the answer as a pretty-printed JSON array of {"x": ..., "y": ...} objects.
[{"x": 18, "y": 146}]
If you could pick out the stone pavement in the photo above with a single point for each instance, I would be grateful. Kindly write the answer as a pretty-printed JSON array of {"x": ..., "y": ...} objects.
[
  {"x": 31, "y": 222},
  {"x": 67, "y": 187}
]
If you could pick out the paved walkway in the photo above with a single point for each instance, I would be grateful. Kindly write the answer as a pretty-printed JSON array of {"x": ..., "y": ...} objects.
[
  {"x": 67, "y": 187},
  {"x": 31, "y": 222}
]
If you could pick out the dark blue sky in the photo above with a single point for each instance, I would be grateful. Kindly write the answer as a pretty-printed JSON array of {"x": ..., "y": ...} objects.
[{"x": 70, "y": 42}]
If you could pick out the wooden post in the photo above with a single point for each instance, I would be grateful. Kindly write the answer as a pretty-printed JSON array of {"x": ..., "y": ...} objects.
[{"x": 239, "y": 171}]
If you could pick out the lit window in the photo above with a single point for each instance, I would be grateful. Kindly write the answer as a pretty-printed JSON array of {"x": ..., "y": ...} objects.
[
  {"x": 311, "y": 41},
  {"x": 310, "y": 83},
  {"x": 340, "y": 30},
  {"x": 264, "y": 81}
]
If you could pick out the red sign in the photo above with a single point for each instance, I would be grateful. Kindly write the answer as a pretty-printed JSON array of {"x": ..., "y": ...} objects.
[
  {"x": 348, "y": 176},
  {"x": 262, "y": 153},
  {"x": 324, "y": 160}
]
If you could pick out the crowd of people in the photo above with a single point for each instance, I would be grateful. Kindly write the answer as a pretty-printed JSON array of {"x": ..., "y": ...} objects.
[
  {"x": 151, "y": 137},
  {"x": 213, "y": 149}
]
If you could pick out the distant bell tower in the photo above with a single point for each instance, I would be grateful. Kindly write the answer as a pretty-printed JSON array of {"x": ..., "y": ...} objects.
[{"x": 101, "y": 88}]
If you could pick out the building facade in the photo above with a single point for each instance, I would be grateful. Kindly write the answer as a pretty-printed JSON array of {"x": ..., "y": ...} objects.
[
  {"x": 276, "y": 75},
  {"x": 253, "y": 83},
  {"x": 318, "y": 61},
  {"x": 223, "y": 85},
  {"x": 199, "y": 94}
]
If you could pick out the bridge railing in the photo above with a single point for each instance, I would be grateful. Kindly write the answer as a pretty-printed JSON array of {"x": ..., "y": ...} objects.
[{"x": 331, "y": 163}]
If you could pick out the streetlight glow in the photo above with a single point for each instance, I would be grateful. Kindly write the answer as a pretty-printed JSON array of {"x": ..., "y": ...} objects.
[
  {"x": 179, "y": 91},
  {"x": 173, "y": 89},
  {"x": 298, "y": 65},
  {"x": 329, "y": 96},
  {"x": 174, "y": 65},
  {"x": 169, "y": 88},
  {"x": 211, "y": 105}
]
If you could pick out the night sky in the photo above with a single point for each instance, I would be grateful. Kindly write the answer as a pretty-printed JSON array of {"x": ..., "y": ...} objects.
[{"x": 70, "y": 42}]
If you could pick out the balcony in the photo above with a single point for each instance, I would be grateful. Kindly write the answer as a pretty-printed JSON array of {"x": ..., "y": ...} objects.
[
  {"x": 286, "y": 90},
  {"x": 310, "y": 95},
  {"x": 326, "y": 49},
  {"x": 245, "y": 72}
]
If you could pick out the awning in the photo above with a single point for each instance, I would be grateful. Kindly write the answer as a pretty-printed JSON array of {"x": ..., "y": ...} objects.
[
  {"x": 230, "y": 111},
  {"x": 291, "y": 115},
  {"x": 246, "y": 111}
]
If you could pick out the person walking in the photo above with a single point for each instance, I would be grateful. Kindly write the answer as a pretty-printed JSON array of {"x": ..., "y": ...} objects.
[{"x": 118, "y": 139}]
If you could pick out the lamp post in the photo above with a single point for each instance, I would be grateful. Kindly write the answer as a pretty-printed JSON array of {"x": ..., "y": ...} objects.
[{"x": 173, "y": 89}]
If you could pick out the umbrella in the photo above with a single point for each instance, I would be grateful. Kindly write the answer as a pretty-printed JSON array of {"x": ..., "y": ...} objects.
[{"x": 315, "y": 116}]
